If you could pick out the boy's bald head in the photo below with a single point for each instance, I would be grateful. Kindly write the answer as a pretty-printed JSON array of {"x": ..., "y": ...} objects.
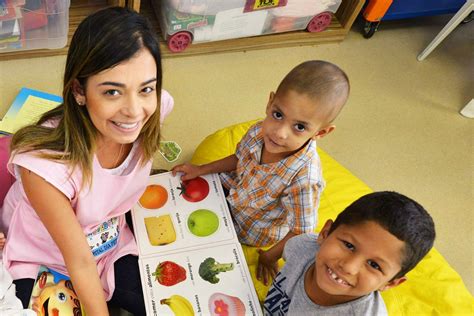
[{"x": 322, "y": 81}]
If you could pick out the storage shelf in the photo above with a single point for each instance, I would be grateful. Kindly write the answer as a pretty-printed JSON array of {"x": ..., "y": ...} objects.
[
  {"x": 336, "y": 32},
  {"x": 77, "y": 12}
]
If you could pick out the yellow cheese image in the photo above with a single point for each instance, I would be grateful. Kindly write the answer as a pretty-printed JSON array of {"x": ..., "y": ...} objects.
[{"x": 160, "y": 230}]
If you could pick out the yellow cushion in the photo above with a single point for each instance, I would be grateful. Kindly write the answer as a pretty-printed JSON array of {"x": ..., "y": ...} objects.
[{"x": 433, "y": 287}]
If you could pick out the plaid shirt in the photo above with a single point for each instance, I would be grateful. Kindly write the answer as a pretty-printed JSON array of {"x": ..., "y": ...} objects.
[{"x": 269, "y": 200}]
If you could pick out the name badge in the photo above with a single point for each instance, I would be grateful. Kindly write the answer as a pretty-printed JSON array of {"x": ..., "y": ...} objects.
[{"x": 104, "y": 238}]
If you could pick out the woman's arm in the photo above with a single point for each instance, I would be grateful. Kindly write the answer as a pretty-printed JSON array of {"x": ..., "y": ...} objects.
[{"x": 55, "y": 211}]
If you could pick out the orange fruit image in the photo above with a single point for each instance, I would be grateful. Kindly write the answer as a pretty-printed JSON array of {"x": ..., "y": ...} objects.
[{"x": 155, "y": 196}]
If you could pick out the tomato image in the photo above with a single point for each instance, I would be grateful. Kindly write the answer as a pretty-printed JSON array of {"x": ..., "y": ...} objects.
[
  {"x": 155, "y": 196},
  {"x": 194, "y": 190}
]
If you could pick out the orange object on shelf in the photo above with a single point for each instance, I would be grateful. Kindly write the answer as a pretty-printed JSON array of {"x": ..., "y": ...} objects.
[{"x": 376, "y": 9}]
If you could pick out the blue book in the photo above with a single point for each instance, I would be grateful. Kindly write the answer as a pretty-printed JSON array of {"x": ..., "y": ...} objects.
[{"x": 27, "y": 108}]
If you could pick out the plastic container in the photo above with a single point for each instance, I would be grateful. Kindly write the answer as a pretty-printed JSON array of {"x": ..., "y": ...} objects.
[
  {"x": 194, "y": 21},
  {"x": 33, "y": 24}
]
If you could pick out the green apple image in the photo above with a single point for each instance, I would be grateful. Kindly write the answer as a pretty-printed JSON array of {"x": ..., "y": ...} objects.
[{"x": 203, "y": 222}]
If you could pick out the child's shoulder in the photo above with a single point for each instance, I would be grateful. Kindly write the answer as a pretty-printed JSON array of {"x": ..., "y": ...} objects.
[
  {"x": 254, "y": 129},
  {"x": 307, "y": 163},
  {"x": 305, "y": 238},
  {"x": 370, "y": 304},
  {"x": 304, "y": 243},
  {"x": 252, "y": 137}
]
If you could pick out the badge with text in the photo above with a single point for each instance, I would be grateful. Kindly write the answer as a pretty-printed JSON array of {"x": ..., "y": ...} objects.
[
  {"x": 254, "y": 5},
  {"x": 104, "y": 238}
]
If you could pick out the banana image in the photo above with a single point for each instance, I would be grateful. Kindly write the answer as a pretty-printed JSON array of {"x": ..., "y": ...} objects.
[{"x": 179, "y": 305}]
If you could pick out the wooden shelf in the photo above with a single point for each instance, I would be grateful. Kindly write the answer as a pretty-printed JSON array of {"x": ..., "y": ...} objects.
[{"x": 336, "y": 32}]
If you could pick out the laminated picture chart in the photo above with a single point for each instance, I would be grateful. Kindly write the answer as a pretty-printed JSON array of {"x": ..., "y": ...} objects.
[{"x": 191, "y": 262}]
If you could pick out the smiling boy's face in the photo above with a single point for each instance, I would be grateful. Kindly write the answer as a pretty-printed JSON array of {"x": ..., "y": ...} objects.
[{"x": 354, "y": 261}]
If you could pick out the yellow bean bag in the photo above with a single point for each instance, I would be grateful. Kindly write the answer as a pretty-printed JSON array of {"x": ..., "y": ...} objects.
[{"x": 433, "y": 287}]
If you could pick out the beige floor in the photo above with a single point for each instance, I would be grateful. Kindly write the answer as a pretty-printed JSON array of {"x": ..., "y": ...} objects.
[{"x": 400, "y": 130}]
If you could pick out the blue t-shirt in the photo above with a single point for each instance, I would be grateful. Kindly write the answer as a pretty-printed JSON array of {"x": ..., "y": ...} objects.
[{"x": 287, "y": 295}]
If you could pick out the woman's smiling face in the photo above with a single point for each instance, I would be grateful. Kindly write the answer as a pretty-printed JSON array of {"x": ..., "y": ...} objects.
[{"x": 120, "y": 100}]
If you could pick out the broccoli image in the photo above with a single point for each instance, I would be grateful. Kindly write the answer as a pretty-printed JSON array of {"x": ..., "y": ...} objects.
[{"x": 210, "y": 268}]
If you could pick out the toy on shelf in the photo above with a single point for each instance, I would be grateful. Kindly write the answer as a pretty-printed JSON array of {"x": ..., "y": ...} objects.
[{"x": 195, "y": 21}]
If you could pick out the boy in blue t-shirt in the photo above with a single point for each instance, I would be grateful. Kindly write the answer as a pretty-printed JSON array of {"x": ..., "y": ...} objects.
[{"x": 370, "y": 247}]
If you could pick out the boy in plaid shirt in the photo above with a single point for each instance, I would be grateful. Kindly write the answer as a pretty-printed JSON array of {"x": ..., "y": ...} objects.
[{"x": 274, "y": 178}]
